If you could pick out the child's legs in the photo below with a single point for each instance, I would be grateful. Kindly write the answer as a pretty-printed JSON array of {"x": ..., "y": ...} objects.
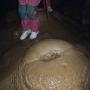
[
  {"x": 22, "y": 11},
  {"x": 34, "y": 20},
  {"x": 35, "y": 25},
  {"x": 31, "y": 10},
  {"x": 24, "y": 17}
]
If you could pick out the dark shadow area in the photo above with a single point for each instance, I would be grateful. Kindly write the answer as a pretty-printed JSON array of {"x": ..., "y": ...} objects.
[{"x": 70, "y": 21}]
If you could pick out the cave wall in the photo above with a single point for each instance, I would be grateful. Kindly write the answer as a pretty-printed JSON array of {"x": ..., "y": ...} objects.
[{"x": 77, "y": 10}]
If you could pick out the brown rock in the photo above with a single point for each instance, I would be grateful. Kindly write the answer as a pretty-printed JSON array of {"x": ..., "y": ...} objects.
[{"x": 50, "y": 65}]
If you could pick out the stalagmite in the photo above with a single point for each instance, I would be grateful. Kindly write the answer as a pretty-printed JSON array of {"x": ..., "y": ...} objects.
[{"x": 50, "y": 65}]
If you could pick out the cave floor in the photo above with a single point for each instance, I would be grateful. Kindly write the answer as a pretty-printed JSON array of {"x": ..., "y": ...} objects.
[{"x": 12, "y": 49}]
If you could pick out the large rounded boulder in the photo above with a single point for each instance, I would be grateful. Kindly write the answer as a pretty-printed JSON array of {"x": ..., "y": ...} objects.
[{"x": 50, "y": 65}]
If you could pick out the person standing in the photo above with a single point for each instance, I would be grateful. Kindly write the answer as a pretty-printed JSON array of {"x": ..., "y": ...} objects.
[{"x": 29, "y": 19}]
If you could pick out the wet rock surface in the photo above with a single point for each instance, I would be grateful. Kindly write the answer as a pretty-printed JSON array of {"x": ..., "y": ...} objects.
[{"x": 68, "y": 69}]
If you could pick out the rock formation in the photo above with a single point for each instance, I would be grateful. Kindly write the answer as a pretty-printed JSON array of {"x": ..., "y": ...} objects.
[{"x": 50, "y": 65}]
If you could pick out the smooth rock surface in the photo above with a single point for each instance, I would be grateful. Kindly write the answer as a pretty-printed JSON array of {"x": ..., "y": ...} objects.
[{"x": 50, "y": 65}]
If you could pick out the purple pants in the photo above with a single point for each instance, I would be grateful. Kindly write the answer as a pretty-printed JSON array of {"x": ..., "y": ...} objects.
[{"x": 29, "y": 16}]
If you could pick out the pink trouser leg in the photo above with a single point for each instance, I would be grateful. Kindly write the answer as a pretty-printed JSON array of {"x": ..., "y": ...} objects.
[
  {"x": 35, "y": 25},
  {"x": 25, "y": 24}
]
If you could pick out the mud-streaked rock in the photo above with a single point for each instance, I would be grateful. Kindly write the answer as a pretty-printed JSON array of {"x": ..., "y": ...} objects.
[{"x": 50, "y": 65}]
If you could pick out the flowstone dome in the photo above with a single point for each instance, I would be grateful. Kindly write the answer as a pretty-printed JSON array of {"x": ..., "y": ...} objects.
[{"x": 50, "y": 65}]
